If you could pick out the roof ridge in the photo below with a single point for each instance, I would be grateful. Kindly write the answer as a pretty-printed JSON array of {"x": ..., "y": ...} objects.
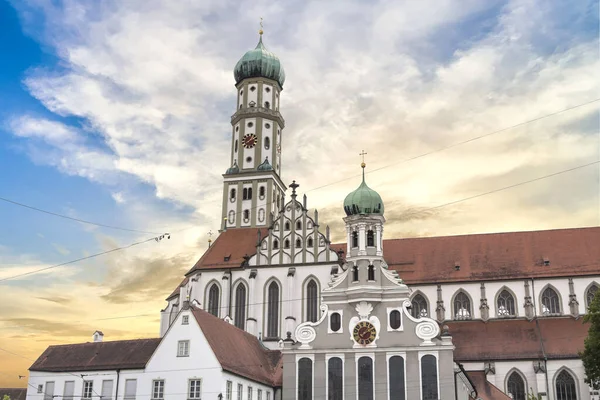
[{"x": 108, "y": 341}]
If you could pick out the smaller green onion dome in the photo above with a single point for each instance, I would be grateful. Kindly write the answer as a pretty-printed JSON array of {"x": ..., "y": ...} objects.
[
  {"x": 234, "y": 169},
  {"x": 259, "y": 63},
  {"x": 265, "y": 166},
  {"x": 363, "y": 200}
]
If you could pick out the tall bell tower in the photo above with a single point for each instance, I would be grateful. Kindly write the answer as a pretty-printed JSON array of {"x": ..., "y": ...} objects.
[{"x": 252, "y": 188}]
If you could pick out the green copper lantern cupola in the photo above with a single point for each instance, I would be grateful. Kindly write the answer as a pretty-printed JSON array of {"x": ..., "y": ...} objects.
[
  {"x": 259, "y": 63},
  {"x": 363, "y": 200}
]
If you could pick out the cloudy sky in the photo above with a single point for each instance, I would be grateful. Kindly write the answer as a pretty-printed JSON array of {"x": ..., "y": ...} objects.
[{"x": 117, "y": 112}]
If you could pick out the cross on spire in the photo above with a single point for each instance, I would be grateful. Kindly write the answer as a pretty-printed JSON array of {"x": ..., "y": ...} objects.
[
  {"x": 260, "y": 31},
  {"x": 362, "y": 154}
]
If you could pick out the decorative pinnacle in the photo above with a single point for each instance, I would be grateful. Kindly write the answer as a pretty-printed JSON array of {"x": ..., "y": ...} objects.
[
  {"x": 294, "y": 185},
  {"x": 260, "y": 31}
]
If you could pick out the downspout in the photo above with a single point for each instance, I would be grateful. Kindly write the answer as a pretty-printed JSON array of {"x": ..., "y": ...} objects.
[
  {"x": 117, "y": 388},
  {"x": 537, "y": 324}
]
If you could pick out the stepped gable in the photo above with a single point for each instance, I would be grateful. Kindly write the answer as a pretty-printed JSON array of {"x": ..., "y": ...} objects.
[
  {"x": 518, "y": 339},
  {"x": 240, "y": 352},
  {"x": 95, "y": 356},
  {"x": 485, "y": 390},
  {"x": 495, "y": 256}
]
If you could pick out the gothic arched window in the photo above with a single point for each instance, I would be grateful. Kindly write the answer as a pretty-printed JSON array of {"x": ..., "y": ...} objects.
[
  {"x": 355, "y": 274},
  {"x": 396, "y": 378},
  {"x": 305, "y": 379},
  {"x": 286, "y": 244},
  {"x": 515, "y": 385},
  {"x": 565, "y": 386},
  {"x": 287, "y": 226},
  {"x": 419, "y": 306},
  {"x": 370, "y": 238},
  {"x": 462, "y": 306},
  {"x": 354, "y": 239},
  {"x": 550, "y": 302},
  {"x": 429, "y": 378},
  {"x": 371, "y": 273},
  {"x": 335, "y": 378},
  {"x": 298, "y": 243},
  {"x": 213, "y": 300},
  {"x": 273, "y": 310},
  {"x": 298, "y": 225},
  {"x": 589, "y": 295},
  {"x": 275, "y": 244},
  {"x": 309, "y": 242},
  {"x": 365, "y": 378},
  {"x": 312, "y": 301},
  {"x": 240, "y": 306},
  {"x": 506, "y": 304}
]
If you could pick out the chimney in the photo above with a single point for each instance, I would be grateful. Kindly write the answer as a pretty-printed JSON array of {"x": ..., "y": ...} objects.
[{"x": 98, "y": 336}]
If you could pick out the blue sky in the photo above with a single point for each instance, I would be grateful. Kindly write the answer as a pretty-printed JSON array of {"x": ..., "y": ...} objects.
[{"x": 118, "y": 112}]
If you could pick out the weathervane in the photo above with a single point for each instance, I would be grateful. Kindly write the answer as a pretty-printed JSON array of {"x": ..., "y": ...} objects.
[
  {"x": 260, "y": 31},
  {"x": 362, "y": 154}
]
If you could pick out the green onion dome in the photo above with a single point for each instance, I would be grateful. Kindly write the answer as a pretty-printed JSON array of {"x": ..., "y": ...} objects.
[
  {"x": 259, "y": 63},
  {"x": 234, "y": 169},
  {"x": 265, "y": 166},
  {"x": 363, "y": 200}
]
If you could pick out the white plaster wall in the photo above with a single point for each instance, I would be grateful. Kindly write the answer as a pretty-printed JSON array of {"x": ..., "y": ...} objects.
[
  {"x": 235, "y": 379},
  {"x": 176, "y": 371}
]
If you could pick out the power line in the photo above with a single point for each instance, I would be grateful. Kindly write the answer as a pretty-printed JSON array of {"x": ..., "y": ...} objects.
[
  {"x": 158, "y": 238},
  {"x": 83, "y": 221}
]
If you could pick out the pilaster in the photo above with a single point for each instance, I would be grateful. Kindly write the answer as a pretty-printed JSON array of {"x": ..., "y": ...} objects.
[
  {"x": 440, "y": 310},
  {"x": 484, "y": 309},
  {"x": 528, "y": 305},
  {"x": 225, "y": 295},
  {"x": 573, "y": 303},
  {"x": 290, "y": 320},
  {"x": 251, "y": 323}
]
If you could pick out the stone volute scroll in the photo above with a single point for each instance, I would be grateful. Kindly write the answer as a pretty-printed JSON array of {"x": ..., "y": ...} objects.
[
  {"x": 426, "y": 328},
  {"x": 305, "y": 333}
]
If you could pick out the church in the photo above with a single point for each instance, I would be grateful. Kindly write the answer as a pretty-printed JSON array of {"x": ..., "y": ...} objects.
[{"x": 275, "y": 309}]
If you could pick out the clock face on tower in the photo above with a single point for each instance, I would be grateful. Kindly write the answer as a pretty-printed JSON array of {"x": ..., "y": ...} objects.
[
  {"x": 249, "y": 141},
  {"x": 364, "y": 333}
]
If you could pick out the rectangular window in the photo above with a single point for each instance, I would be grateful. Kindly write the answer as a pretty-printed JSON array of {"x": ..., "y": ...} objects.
[
  {"x": 158, "y": 389},
  {"x": 107, "y": 388},
  {"x": 240, "y": 391},
  {"x": 268, "y": 395},
  {"x": 88, "y": 388},
  {"x": 185, "y": 320},
  {"x": 49, "y": 392},
  {"x": 130, "y": 389},
  {"x": 40, "y": 389},
  {"x": 183, "y": 348},
  {"x": 69, "y": 390},
  {"x": 249, "y": 392},
  {"x": 228, "y": 390},
  {"x": 195, "y": 389},
  {"x": 259, "y": 394}
]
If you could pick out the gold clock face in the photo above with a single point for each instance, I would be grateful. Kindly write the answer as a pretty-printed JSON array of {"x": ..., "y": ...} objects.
[
  {"x": 364, "y": 333},
  {"x": 249, "y": 141}
]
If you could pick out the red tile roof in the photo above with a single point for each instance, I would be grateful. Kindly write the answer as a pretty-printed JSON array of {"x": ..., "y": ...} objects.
[
  {"x": 485, "y": 390},
  {"x": 95, "y": 356},
  {"x": 517, "y": 339},
  {"x": 495, "y": 256},
  {"x": 240, "y": 352},
  {"x": 13, "y": 393}
]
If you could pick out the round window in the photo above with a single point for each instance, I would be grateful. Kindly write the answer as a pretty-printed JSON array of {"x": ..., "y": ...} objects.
[
  {"x": 268, "y": 126},
  {"x": 250, "y": 124},
  {"x": 248, "y": 159}
]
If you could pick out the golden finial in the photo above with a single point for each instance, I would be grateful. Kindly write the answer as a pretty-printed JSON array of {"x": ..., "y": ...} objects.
[
  {"x": 362, "y": 164},
  {"x": 260, "y": 31}
]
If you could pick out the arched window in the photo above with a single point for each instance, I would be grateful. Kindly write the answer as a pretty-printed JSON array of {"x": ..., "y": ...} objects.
[
  {"x": 429, "y": 379},
  {"x": 298, "y": 225},
  {"x": 335, "y": 378},
  {"x": 335, "y": 321},
  {"x": 515, "y": 385},
  {"x": 298, "y": 243},
  {"x": 371, "y": 273},
  {"x": 249, "y": 193},
  {"x": 287, "y": 225},
  {"x": 565, "y": 386},
  {"x": 309, "y": 242},
  {"x": 261, "y": 192},
  {"x": 370, "y": 238},
  {"x": 462, "y": 306},
  {"x": 305, "y": 379},
  {"x": 365, "y": 378},
  {"x": 231, "y": 216},
  {"x": 275, "y": 244},
  {"x": 213, "y": 300},
  {"x": 273, "y": 310},
  {"x": 245, "y": 194},
  {"x": 312, "y": 301},
  {"x": 286, "y": 244},
  {"x": 419, "y": 306},
  {"x": 396, "y": 378},
  {"x": 267, "y": 104},
  {"x": 506, "y": 304},
  {"x": 246, "y": 215},
  {"x": 267, "y": 143},
  {"x": 589, "y": 295},
  {"x": 550, "y": 302},
  {"x": 395, "y": 319},
  {"x": 355, "y": 274},
  {"x": 232, "y": 194},
  {"x": 240, "y": 306},
  {"x": 354, "y": 239}
]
